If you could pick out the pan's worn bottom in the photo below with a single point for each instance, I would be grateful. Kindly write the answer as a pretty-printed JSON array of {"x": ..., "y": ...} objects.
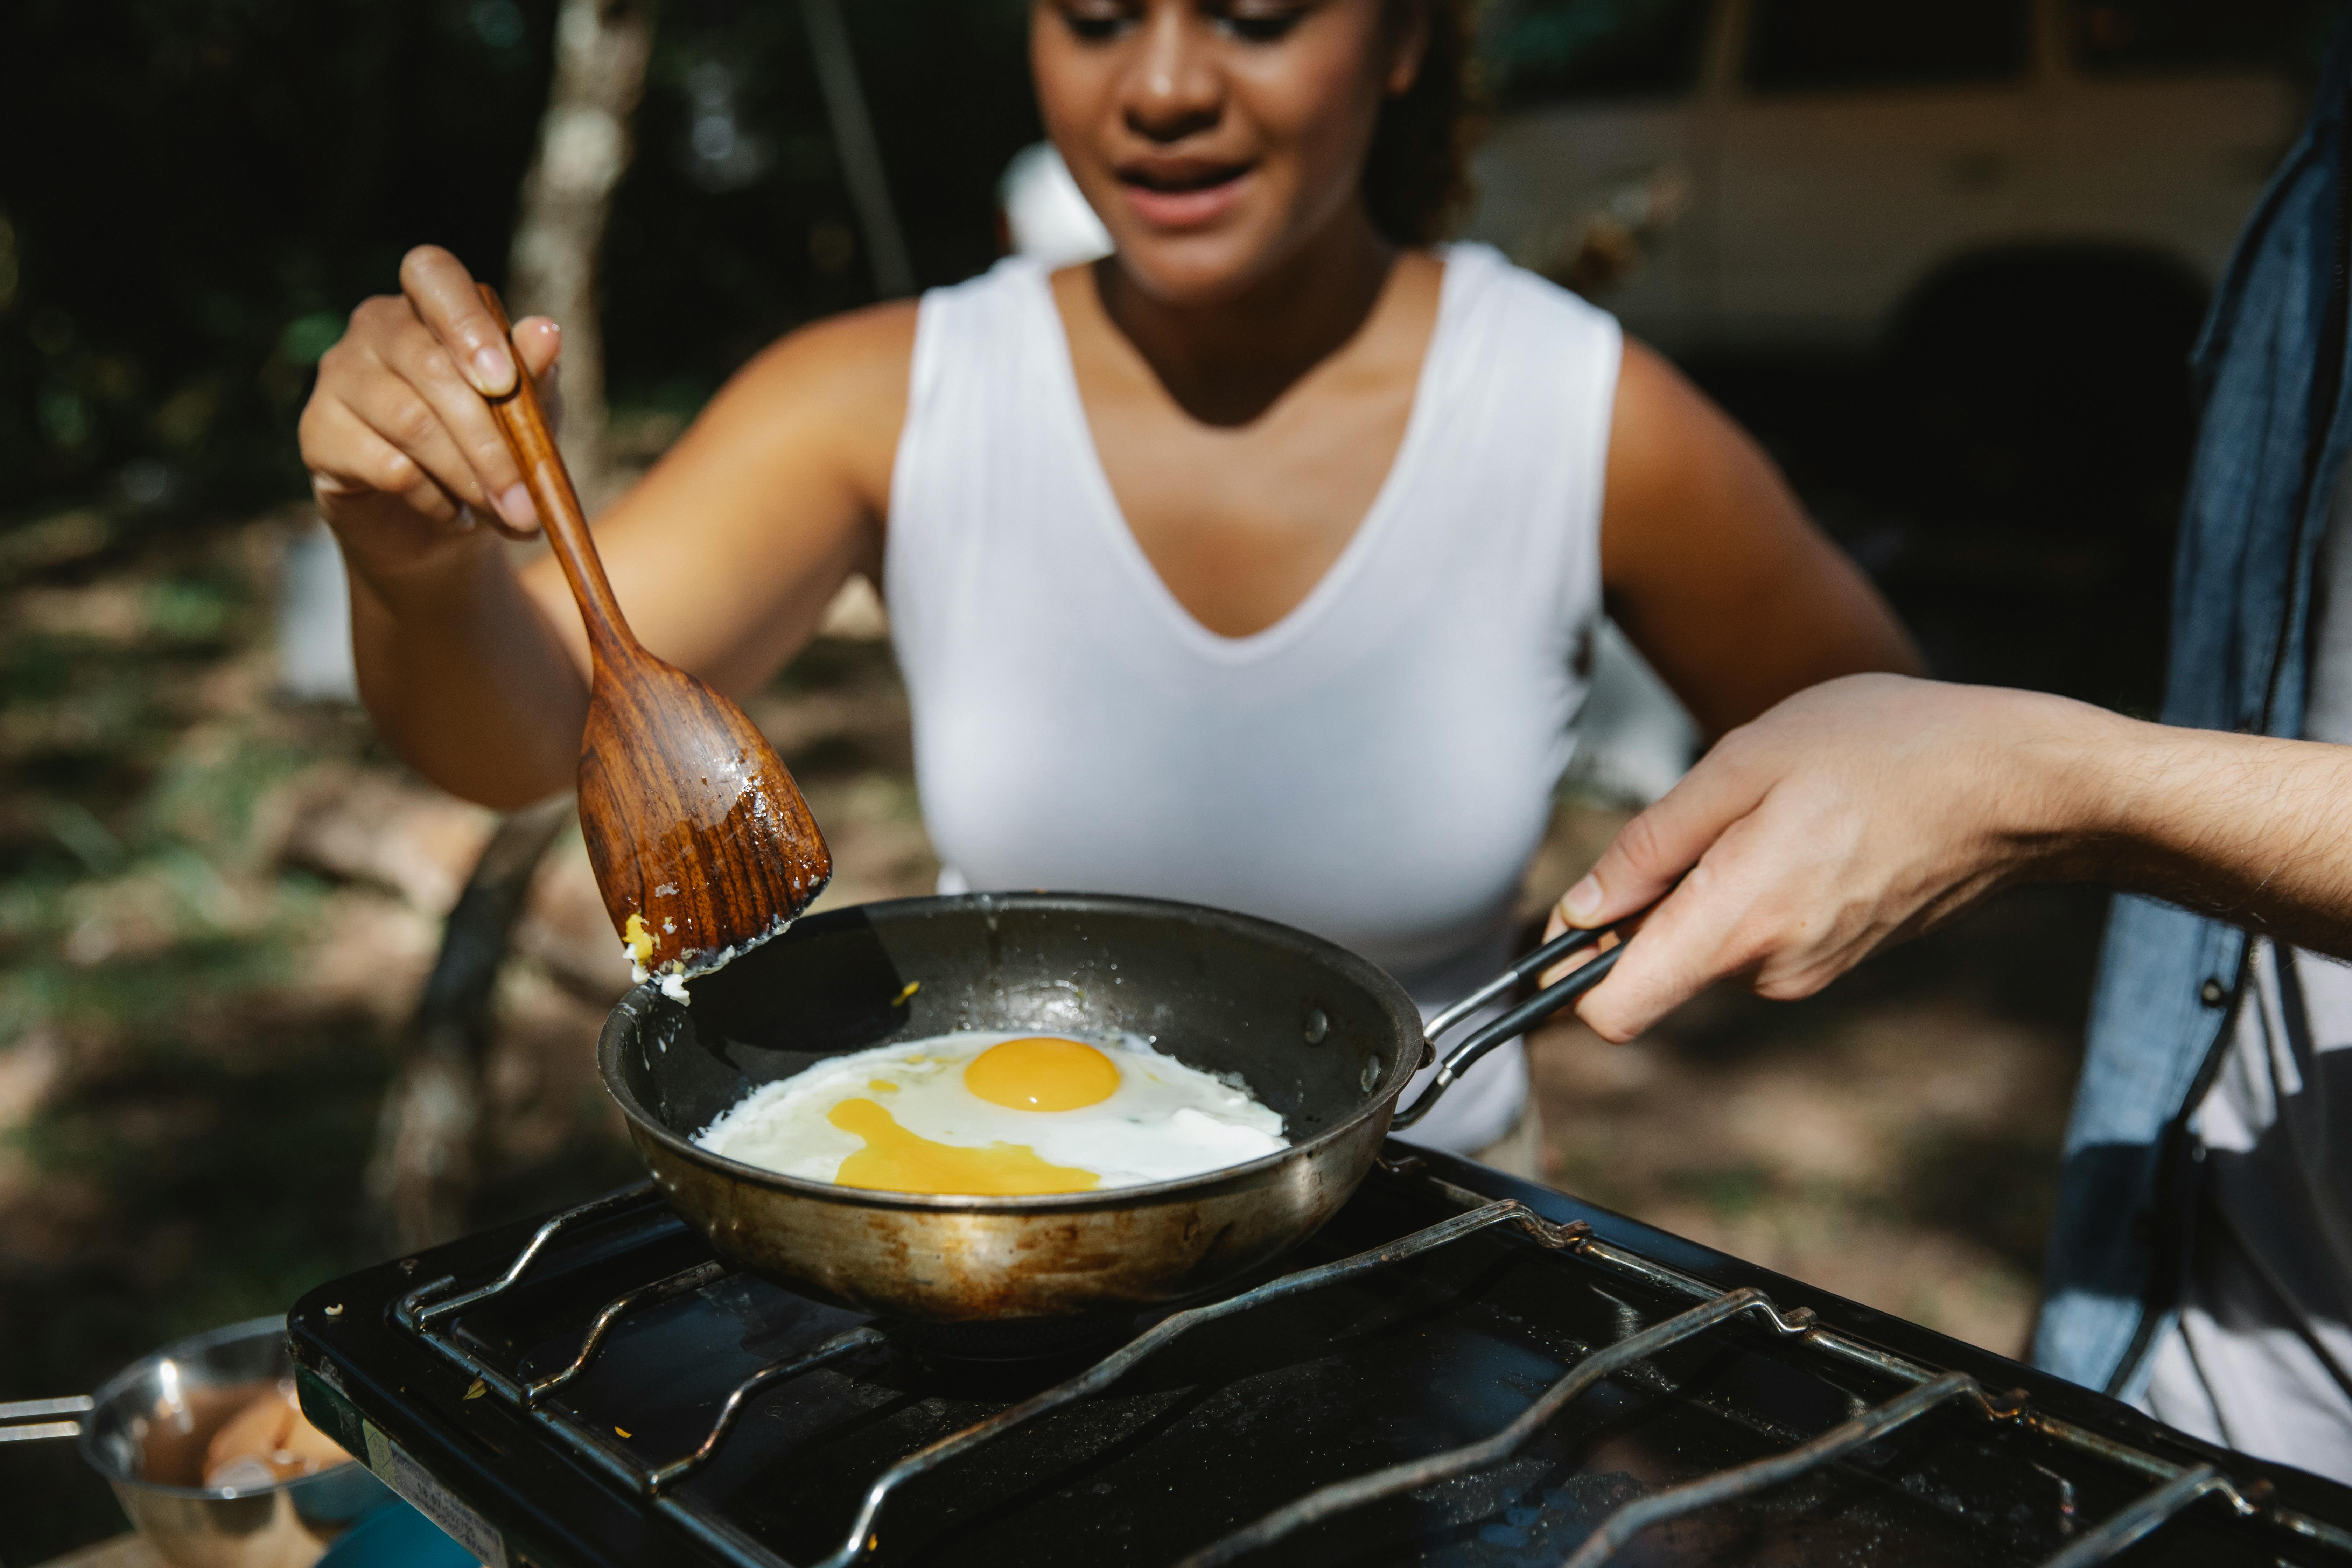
[{"x": 899, "y": 1257}]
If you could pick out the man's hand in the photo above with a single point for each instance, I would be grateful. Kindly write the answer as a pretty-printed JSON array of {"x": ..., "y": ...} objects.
[{"x": 1854, "y": 814}]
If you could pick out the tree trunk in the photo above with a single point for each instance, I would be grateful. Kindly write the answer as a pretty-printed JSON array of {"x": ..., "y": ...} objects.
[
  {"x": 601, "y": 49},
  {"x": 860, "y": 153},
  {"x": 421, "y": 1178}
]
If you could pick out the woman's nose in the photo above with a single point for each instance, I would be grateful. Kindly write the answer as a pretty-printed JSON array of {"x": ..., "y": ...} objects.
[{"x": 1173, "y": 89}]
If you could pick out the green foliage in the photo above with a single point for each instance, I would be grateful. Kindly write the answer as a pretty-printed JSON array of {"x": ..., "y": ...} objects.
[
  {"x": 199, "y": 191},
  {"x": 197, "y": 1160},
  {"x": 707, "y": 262}
]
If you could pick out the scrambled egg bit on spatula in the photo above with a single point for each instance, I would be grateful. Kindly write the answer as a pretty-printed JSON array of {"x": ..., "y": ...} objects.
[{"x": 700, "y": 841}]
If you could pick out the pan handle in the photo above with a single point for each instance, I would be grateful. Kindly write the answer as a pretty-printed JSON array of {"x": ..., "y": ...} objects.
[
  {"x": 1524, "y": 1016},
  {"x": 19, "y": 1422}
]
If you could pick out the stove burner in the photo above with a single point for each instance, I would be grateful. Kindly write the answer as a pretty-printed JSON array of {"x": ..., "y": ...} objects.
[
  {"x": 431, "y": 1314},
  {"x": 1013, "y": 1339}
]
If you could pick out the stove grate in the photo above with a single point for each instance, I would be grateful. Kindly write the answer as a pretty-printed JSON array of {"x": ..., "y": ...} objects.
[{"x": 428, "y": 1313}]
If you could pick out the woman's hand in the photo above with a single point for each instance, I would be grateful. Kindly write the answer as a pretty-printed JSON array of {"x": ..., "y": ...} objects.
[
  {"x": 1854, "y": 814},
  {"x": 403, "y": 452}
]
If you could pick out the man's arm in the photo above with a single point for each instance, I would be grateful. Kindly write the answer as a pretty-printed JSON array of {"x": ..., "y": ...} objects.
[{"x": 1869, "y": 809}]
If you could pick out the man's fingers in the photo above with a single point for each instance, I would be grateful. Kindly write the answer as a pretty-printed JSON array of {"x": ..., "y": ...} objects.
[
  {"x": 1685, "y": 945},
  {"x": 1657, "y": 847},
  {"x": 445, "y": 299}
]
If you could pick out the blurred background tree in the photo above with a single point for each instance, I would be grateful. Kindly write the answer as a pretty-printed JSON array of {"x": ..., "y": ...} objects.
[
  {"x": 585, "y": 142},
  {"x": 195, "y": 194}
]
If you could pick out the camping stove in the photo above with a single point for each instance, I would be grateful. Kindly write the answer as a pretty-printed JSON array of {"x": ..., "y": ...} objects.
[{"x": 1461, "y": 1369}]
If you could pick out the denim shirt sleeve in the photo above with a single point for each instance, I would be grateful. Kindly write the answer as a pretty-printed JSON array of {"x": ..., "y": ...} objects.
[{"x": 2258, "y": 498}]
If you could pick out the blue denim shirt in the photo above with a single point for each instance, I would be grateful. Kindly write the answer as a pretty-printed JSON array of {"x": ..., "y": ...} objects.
[{"x": 2272, "y": 435}]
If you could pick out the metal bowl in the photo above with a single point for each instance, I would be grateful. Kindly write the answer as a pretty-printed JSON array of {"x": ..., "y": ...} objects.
[{"x": 147, "y": 1433}]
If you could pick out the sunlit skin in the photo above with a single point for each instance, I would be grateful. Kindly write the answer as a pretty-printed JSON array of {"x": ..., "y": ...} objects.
[
  {"x": 1042, "y": 1073},
  {"x": 1221, "y": 145},
  {"x": 897, "y": 1160},
  {"x": 1247, "y": 364},
  {"x": 1869, "y": 810}
]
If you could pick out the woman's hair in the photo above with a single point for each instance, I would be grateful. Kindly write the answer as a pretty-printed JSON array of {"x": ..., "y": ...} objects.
[{"x": 1417, "y": 175}]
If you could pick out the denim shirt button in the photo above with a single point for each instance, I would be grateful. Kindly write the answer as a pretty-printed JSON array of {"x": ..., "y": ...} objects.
[{"x": 2213, "y": 992}]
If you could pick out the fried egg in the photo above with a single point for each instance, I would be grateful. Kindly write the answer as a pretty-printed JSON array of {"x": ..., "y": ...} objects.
[{"x": 997, "y": 1114}]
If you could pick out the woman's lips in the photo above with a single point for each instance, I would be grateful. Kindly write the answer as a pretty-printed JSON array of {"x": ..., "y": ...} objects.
[{"x": 1186, "y": 199}]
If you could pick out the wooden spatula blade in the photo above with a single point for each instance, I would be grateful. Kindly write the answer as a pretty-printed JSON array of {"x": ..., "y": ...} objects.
[{"x": 700, "y": 839}]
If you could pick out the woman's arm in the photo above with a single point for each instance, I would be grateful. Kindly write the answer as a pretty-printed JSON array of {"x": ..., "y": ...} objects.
[
  {"x": 723, "y": 558},
  {"x": 1712, "y": 567},
  {"x": 1875, "y": 808}
]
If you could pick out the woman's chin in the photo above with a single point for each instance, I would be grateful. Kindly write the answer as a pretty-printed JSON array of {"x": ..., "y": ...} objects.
[{"x": 1198, "y": 269}]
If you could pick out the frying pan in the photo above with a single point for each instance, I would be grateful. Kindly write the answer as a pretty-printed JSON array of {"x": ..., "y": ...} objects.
[{"x": 1318, "y": 1033}]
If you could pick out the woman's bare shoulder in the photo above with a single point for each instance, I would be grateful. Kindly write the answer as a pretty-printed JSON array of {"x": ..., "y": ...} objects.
[
  {"x": 834, "y": 389},
  {"x": 856, "y": 363}
]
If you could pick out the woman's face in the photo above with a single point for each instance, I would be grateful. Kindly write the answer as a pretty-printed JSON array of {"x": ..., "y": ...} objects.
[{"x": 1216, "y": 137}]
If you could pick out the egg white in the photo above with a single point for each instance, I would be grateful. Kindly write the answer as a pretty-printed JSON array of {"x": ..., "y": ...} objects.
[{"x": 1165, "y": 1120}]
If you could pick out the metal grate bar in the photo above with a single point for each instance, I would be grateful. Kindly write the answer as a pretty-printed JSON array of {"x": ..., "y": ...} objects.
[
  {"x": 723, "y": 1536},
  {"x": 533, "y": 1248},
  {"x": 862, "y": 1537},
  {"x": 1344, "y": 1496},
  {"x": 588, "y": 1442},
  {"x": 1842, "y": 1347},
  {"x": 1742, "y": 1480},
  {"x": 2145, "y": 1515},
  {"x": 413, "y": 1314},
  {"x": 826, "y": 1354},
  {"x": 601, "y": 1452},
  {"x": 678, "y": 1284},
  {"x": 2183, "y": 1484}
]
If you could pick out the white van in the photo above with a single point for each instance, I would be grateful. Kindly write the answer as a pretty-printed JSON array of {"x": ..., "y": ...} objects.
[{"x": 1773, "y": 174}]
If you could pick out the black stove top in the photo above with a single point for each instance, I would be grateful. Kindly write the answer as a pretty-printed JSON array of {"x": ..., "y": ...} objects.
[{"x": 1461, "y": 1369}]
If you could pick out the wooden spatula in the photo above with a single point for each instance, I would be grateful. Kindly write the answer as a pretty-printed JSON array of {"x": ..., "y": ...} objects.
[{"x": 700, "y": 839}]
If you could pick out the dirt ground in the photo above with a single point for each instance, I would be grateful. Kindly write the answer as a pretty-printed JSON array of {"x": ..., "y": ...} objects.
[{"x": 218, "y": 905}]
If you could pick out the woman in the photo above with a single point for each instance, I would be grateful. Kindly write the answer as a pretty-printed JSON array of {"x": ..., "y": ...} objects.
[{"x": 1255, "y": 564}]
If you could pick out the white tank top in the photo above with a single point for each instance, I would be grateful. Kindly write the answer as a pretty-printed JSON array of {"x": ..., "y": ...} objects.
[{"x": 1378, "y": 766}]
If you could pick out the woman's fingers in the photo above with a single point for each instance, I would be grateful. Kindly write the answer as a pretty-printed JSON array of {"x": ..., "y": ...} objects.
[
  {"x": 539, "y": 341},
  {"x": 400, "y": 381},
  {"x": 398, "y": 410},
  {"x": 424, "y": 370},
  {"x": 460, "y": 357},
  {"x": 352, "y": 459},
  {"x": 447, "y": 300}
]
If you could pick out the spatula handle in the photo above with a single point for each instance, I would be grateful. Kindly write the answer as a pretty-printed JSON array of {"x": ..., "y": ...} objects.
[{"x": 523, "y": 421}]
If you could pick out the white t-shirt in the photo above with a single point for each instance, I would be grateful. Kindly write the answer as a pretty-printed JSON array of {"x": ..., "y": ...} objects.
[
  {"x": 2260, "y": 1357},
  {"x": 1377, "y": 767}
]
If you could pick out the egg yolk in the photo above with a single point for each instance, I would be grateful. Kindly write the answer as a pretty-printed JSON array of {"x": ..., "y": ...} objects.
[
  {"x": 1042, "y": 1073},
  {"x": 639, "y": 940},
  {"x": 897, "y": 1160}
]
